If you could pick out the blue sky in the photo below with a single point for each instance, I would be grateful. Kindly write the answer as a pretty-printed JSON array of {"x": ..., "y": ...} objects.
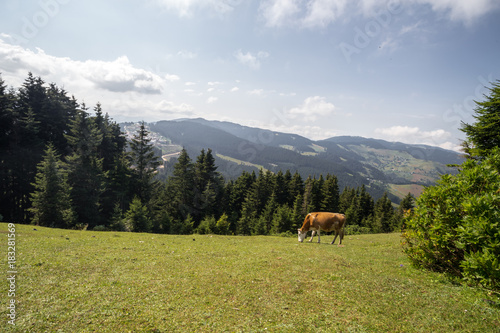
[{"x": 397, "y": 70}]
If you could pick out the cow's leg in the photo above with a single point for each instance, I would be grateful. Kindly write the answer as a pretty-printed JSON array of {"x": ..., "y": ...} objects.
[
  {"x": 318, "y": 236},
  {"x": 312, "y": 235},
  {"x": 334, "y": 238},
  {"x": 341, "y": 237}
]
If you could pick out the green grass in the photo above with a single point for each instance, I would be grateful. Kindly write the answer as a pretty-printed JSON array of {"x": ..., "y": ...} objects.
[
  {"x": 240, "y": 162},
  {"x": 85, "y": 281}
]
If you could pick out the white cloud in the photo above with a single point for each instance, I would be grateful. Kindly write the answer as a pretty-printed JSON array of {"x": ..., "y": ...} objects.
[
  {"x": 277, "y": 13},
  {"x": 462, "y": 10},
  {"x": 133, "y": 109},
  {"x": 312, "y": 108},
  {"x": 234, "y": 89},
  {"x": 187, "y": 54},
  {"x": 212, "y": 99},
  {"x": 414, "y": 135},
  {"x": 186, "y": 8},
  {"x": 115, "y": 76},
  {"x": 171, "y": 77},
  {"x": 256, "y": 92},
  {"x": 320, "y": 13},
  {"x": 251, "y": 60}
]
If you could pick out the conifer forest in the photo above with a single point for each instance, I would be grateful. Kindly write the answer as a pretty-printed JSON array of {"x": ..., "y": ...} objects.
[{"x": 67, "y": 165}]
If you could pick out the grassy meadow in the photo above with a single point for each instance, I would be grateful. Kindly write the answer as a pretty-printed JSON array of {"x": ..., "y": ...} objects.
[{"x": 85, "y": 281}]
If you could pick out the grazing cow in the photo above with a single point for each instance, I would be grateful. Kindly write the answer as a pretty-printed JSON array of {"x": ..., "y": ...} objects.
[{"x": 323, "y": 222}]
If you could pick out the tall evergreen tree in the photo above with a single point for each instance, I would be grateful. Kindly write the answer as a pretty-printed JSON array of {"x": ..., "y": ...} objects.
[
  {"x": 484, "y": 135},
  {"x": 297, "y": 215},
  {"x": 183, "y": 184},
  {"x": 308, "y": 205},
  {"x": 295, "y": 187},
  {"x": 145, "y": 164},
  {"x": 280, "y": 188},
  {"x": 330, "y": 194},
  {"x": 384, "y": 214},
  {"x": 85, "y": 173},
  {"x": 51, "y": 202},
  {"x": 282, "y": 220},
  {"x": 263, "y": 225},
  {"x": 209, "y": 186},
  {"x": 137, "y": 217}
]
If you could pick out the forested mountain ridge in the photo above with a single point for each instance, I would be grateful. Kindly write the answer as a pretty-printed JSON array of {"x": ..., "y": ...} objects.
[{"x": 380, "y": 165}]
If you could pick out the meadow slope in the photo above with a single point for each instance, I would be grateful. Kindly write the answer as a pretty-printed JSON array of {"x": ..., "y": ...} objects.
[{"x": 85, "y": 281}]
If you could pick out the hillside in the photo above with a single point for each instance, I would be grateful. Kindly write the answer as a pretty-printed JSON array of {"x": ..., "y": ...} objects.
[{"x": 380, "y": 165}]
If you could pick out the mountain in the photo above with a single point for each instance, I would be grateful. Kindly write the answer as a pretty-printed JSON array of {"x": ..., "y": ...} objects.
[{"x": 380, "y": 165}]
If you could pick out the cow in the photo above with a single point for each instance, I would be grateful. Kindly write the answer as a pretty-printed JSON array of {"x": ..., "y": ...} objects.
[{"x": 323, "y": 221}]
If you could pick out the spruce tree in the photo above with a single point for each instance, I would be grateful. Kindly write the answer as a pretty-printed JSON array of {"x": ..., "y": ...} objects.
[
  {"x": 209, "y": 186},
  {"x": 51, "y": 202},
  {"x": 137, "y": 217},
  {"x": 144, "y": 163},
  {"x": 282, "y": 220},
  {"x": 330, "y": 194},
  {"x": 183, "y": 184},
  {"x": 263, "y": 225},
  {"x": 297, "y": 215},
  {"x": 484, "y": 134},
  {"x": 85, "y": 173},
  {"x": 384, "y": 214}
]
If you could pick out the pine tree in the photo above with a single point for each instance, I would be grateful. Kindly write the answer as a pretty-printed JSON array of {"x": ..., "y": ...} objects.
[
  {"x": 248, "y": 216},
  {"x": 85, "y": 174},
  {"x": 183, "y": 184},
  {"x": 209, "y": 186},
  {"x": 297, "y": 215},
  {"x": 145, "y": 164},
  {"x": 307, "y": 204},
  {"x": 280, "y": 188},
  {"x": 316, "y": 193},
  {"x": 137, "y": 218},
  {"x": 484, "y": 135},
  {"x": 51, "y": 203},
  {"x": 384, "y": 214},
  {"x": 282, "y": 220},
  {"x": 365, "y": 207},
  {"x": 295, "y": 187},
  {"x": 330, "y": 194},
  {"x": 407, "y": 203},
  {"x": 263, "y": 225}
]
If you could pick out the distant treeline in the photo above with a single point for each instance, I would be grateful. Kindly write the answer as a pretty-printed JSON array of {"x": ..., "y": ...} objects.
[{"x": 63, "y": 167}]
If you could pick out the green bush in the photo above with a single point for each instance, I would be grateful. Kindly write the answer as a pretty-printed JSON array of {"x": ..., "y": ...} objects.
[
  {"x": 207, "y": 226},
  {"x": 356, "y": 230},
  {"x": 455, "y": 225}
]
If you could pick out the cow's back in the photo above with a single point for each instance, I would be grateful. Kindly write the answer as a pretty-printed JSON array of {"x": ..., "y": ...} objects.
[{"x": 327, "y": 221}]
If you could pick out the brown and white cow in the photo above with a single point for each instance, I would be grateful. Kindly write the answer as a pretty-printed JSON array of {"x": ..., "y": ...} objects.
[{"x": 323, "y": 221}]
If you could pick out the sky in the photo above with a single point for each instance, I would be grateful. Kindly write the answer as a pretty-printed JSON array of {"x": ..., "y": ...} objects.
[{"x": 405, "y": 71}]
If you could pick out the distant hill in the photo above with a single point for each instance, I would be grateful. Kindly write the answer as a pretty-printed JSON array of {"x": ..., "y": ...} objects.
[{"x": 380, "y": 165}]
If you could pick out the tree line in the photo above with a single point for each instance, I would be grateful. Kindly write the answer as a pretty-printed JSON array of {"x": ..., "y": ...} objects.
[{"x": 63, "y": 166}]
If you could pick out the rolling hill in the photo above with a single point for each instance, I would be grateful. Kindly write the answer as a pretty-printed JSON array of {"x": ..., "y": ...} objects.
[{"x": 380, "y": 165}]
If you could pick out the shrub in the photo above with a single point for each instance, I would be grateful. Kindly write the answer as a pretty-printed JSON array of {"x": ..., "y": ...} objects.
[
  {"x": 223, "y": 225},
  {"x": 455, "y": 225},
  {"x": 207, "y": 226},
  {"x": 356, "y": 230}
]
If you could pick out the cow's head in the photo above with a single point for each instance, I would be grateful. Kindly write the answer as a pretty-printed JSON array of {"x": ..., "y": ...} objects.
[{"x": 302, "y": 235}]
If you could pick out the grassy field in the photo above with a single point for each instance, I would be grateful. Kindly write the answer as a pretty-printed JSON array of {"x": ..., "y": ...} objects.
[{"x": 84, "y": 281}]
